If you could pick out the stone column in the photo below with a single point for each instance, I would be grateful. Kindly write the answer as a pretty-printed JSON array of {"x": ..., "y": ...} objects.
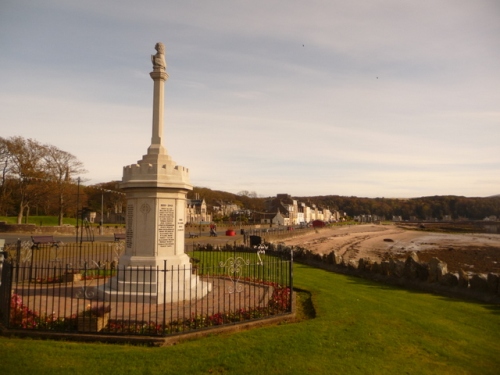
[{"x": 159, "y": 77}]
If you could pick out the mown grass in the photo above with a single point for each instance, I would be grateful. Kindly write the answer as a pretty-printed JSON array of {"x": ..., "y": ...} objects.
[
  {"x": 244, "y": 264},
  {"x": 39, "y": 220},
  {"x": 360, "y": 327},
  {"x": 50, "y": 221}
]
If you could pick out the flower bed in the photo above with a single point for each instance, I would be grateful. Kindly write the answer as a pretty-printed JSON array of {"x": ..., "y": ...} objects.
[
  {"x": 279, "y": 303},
  {"x": 23, "y": 317}
]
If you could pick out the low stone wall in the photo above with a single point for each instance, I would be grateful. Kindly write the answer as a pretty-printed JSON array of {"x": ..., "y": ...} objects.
[
  {"x": 411, "y": 273},
  {"x": 17, "y": 228},
  {"x": 269, "y": 237}
]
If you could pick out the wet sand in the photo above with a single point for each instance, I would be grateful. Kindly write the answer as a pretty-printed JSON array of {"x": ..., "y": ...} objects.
[{"x": 471, "y": 251}]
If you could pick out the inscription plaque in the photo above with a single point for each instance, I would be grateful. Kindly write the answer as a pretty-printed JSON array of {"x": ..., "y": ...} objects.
[
  {"x": 129, "y": 236},
  {"x": 166, "y": 225}
]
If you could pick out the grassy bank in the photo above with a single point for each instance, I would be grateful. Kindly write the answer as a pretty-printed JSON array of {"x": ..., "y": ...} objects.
[{"x": 360, "y": 328}]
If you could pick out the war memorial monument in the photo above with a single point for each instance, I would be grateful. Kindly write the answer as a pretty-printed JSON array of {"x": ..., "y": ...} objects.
[{"x": 156, "y": 189}]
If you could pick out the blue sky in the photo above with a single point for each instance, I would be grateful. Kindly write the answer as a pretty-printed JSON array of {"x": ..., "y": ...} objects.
[{"x": 383, "y": 98}]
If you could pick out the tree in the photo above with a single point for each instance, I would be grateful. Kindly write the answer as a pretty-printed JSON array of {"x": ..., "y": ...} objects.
[
  {"x": 61, "y": 167},
  {"x": 249, "y": 194},
  {"x": 34, "y": 172},
  {"x": 5, "y": 168},
  {"x": 106, "y": 197},
  {"x": 25, "y": 158}
]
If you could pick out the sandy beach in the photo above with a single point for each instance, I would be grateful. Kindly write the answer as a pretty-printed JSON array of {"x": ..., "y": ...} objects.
[{"x": 479, "y": 252}]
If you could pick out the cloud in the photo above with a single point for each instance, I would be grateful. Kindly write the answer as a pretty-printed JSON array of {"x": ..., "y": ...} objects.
[{"x": 380, "y": 98}]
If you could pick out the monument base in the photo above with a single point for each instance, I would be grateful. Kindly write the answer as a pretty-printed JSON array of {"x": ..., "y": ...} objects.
[{"x": 154, "y": 285}]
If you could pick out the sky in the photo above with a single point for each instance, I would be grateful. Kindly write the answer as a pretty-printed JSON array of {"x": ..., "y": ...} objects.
[{"x": 380, "y": 98}]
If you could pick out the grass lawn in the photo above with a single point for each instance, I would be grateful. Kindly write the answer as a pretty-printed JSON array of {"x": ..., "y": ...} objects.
[
  {"x": 39, "y": 220},
  {"x": 360, "y": 328},
  {"x": 50, "y": 221}
]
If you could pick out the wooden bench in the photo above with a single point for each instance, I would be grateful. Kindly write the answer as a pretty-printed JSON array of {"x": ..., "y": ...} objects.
[
  {"x": 119, "y": 236},
  {"x": 42, "y": 240}
]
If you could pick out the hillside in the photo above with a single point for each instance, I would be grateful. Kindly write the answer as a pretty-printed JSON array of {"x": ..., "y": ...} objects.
[{"x": 433, "y": 207}]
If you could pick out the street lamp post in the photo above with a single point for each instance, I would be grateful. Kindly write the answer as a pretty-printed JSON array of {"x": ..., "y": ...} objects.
[
  {"x": 77, "y": 208},
  {"x": 101, "y": 229}
]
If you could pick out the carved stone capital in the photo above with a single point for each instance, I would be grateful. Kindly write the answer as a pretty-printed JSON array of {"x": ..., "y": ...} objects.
[{"x": 158, "y": 75}]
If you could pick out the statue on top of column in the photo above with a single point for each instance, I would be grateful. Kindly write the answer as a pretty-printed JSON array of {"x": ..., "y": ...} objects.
[{"x": 159, "y": 59}]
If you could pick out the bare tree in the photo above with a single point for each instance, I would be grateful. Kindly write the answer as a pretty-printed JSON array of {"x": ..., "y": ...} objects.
[
  {"x": 61, "y": 167},
  {"x": 246, "y": 193},
  {"x": 25, "y": 159},
  {"x": 37, "y": 172},
  {"x": 5, "y": 167}
]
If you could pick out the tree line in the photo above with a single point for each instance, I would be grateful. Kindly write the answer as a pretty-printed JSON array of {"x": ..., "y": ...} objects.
[
  {"x": 36, "y": 176},
  {"x": 423, "y": 208},
  {"x": 41, "y": 179}
]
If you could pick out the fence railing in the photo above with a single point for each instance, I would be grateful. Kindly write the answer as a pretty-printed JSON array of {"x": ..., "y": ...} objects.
[{"x": 75, "y": 290}]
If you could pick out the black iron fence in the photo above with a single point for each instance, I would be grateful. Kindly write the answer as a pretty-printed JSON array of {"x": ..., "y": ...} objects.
[{"x": 83, "y": 288}]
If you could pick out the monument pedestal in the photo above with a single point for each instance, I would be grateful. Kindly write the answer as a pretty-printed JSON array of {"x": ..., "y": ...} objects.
[
  {"x": 159, "y": 286},
  {"x": 154, "y": 267}
]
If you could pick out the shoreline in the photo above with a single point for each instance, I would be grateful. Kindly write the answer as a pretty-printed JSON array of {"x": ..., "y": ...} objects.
[{"x": 479, "y": 252}]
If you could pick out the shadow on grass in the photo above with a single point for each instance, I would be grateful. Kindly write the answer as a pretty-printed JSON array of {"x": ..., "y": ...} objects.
[
  {"x": 420, "y": 289},
  {"x": 486, "y": 300},
  {"x": 305, "y": 307}
]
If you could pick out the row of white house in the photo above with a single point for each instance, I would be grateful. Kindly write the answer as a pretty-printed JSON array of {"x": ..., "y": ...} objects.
[{"x": 282, "y": 210}]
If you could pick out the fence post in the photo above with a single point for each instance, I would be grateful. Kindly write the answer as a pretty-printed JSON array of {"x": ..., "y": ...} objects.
[
  {"x": 18, "y": 251},
  {"x": 5, "y": 290},
  {"x": 18, "y": 257},
  {"x": 291, "y": 278}
]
